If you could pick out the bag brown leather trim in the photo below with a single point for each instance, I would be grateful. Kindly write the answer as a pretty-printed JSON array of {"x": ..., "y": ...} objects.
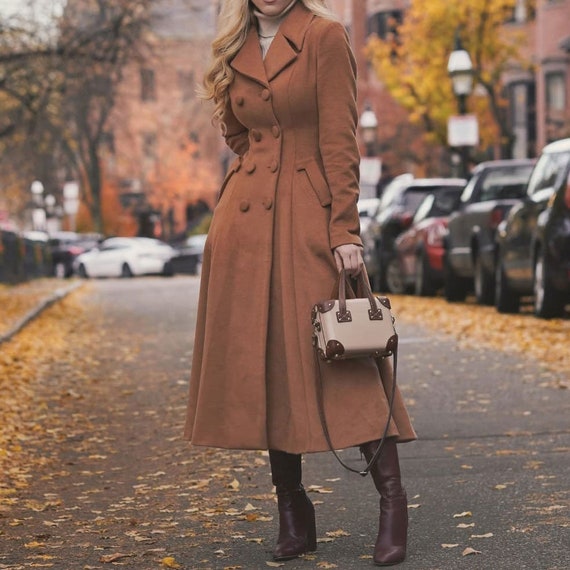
[{"x": 334, "y": 349}]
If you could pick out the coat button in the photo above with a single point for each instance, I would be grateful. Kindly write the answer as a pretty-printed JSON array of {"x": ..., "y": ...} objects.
[
  {"x": 276, "y": 131},
  {"x": 244, "y": 206},
  {"x": 256, "y": 135},
  {"x": 267, "y": 203},
  {"x": 274, "y": 166},
  {"x": 266, "y": 94},
  {"x": 239, "y": 100},
  {"x": 250, "y": 167}
]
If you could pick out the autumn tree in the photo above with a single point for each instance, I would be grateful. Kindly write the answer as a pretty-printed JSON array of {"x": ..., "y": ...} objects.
[
  {"x": 412, "y": 63},
  {"x": 58, "y": 84}
]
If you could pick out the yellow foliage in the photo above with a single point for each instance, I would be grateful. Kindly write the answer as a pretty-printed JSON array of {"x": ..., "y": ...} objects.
[{"x": 412, "y": 62}]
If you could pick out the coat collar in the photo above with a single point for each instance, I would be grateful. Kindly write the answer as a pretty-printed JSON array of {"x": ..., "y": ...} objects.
[{"x": 284, "y": 49}]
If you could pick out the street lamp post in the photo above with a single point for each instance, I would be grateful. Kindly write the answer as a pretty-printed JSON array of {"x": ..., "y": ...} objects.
[
  {"x": 369, "y": 128},
  {"x": 462, "y": 130},
  {"x": 38, "y": 210}
]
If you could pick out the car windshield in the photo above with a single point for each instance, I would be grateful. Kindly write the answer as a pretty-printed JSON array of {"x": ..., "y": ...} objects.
[
  {"x": 504, "y": 183},
  {"x": 393, "y": 190},
  {"x": 413, "y": 197},
  {"x": 548, "y": 169}
]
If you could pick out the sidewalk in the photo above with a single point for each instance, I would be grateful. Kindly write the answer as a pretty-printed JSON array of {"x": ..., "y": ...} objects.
[{"x": 20, "y": 304}]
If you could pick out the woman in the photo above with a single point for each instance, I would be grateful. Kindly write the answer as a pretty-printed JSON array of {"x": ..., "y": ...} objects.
[{"x": 283, "y": 84}]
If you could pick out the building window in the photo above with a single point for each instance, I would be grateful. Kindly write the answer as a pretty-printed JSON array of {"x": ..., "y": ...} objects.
[
  {"x": 523, "y": 11},
  {"x": 149, "y": 145},
  {"x": 186, "y": 84},
  {"x": 384, "y": 24},
  {"x": 522, "y": 98},
  {"x": 555, "y": 92},
  {"x": 108, "y": 141},
  {"x": 148, "y": 85}
]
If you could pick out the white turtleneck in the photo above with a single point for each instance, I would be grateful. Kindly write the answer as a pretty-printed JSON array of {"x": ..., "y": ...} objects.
[{"x": 268, "y": 27}]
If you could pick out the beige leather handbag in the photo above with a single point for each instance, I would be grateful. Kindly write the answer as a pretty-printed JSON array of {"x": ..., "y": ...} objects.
[
  {"x": 354, "y": 327},
  {"x": 361, "y": 326}
]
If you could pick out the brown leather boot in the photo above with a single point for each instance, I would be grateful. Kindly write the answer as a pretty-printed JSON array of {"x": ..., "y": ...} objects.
[
  {"x": 297, "y": 530},
  {"x": 391, "y": 543}
]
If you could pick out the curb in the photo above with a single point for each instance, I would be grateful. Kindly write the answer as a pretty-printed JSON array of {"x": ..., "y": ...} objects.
[{"x": 34, "y": 313}]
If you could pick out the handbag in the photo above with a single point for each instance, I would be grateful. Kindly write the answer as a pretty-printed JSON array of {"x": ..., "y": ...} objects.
[
  {"x": 355, "y": 327},
  {"x": 360, "y": 326}
]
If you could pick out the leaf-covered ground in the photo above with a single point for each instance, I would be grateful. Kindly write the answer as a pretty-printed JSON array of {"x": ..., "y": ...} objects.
[
  {"x": 478, "y": 326},
  {"x": 93, "y": 472},
  {"x": 18, "y": 300}
]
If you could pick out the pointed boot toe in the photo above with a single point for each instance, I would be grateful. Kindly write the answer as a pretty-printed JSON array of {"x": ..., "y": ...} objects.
[{"x": 297, "y": 528}]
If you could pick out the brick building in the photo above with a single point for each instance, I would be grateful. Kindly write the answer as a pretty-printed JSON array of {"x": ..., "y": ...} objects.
[
  {"x": 164, "y": 153},
  {"x": 165, "y": 150}
]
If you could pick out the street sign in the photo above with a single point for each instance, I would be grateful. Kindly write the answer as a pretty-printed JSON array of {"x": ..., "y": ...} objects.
[{"x": 462, "y": 130}]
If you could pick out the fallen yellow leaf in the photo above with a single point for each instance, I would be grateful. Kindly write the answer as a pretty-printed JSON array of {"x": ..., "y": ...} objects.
[
  {"x": 469, "y": 551},
  {"x": 449, "y": 545},
  {"x": 463, "y": 514},
  {"x": 170, "y": 562}
]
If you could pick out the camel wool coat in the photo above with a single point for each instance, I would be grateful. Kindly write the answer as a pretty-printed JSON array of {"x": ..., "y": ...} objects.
[{"x": 287, "y": 201}]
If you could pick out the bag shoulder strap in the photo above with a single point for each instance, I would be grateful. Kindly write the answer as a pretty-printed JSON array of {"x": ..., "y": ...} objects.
[{"x": 321, "y": 406}]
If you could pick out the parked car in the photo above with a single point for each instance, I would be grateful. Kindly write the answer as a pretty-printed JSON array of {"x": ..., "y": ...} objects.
[
  {"x": 126, "y": 257},
  {"x": 398, "y": 205},
  {"x": 469, "y": 262},
  {"x": 420, "y": 248},
  {"x": 65, "y": 247},
  {"x": 368, "y": 209},
  {"x": 533, "y": 255},
  {"x": 188, "y": 256}
]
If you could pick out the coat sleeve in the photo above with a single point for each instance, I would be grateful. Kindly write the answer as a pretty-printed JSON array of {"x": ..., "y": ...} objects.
[
  {"x": 235, "y": 133},
  {"x": 336, "y": 99}
]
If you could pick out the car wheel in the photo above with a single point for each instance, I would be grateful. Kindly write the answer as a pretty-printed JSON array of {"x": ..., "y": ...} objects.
[
  {"x": 484, "y": 284},
  {"x": 454, "y": 287},
  {"x": 506, "y": 300},
  {"x": 82, "y": 271},
  {"x": 548, "y": 302},
  {"x": 394, "y": 278},
  {"x": 126, "y": 271},
  {"x": 168, "y": 269},
  {"x": 424, "y": 285},
  {"x": 60, "y": 271}
]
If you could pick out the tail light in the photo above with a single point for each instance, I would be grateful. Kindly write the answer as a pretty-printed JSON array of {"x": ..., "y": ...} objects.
[
  {"x": 497, "y": 216},
  {"x": 406, "y": 219},
  {"x": 567, "y": 193},
  {"x": 435, "y": 235}
]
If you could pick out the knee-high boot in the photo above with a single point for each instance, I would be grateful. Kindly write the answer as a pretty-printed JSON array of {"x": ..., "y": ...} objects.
[
  {"x": 297, "y": 530},
  {"x": 393, "y": 527}
]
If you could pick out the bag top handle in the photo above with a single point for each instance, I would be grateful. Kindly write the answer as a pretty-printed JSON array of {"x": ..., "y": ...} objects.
[{"x": 363, "y": 290}]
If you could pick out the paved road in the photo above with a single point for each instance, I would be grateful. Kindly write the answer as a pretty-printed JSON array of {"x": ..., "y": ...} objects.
[{"x": 120, "y": 487}]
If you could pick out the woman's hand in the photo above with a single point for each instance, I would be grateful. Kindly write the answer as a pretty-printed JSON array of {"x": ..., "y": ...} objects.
[{"x": 349, "y": 258}]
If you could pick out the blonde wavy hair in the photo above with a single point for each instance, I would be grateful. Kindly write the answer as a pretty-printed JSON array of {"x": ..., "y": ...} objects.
[{"x": 235, "y": 20}]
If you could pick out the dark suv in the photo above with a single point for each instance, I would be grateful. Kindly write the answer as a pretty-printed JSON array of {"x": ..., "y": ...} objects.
[
  {"x": 398, "y": 205},
  {"x": 469, "y": 260},
  {"x": 534, "y": 241},
  {"x": 65, "y": 247}
]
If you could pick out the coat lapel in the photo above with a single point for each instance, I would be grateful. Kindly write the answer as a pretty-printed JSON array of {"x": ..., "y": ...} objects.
[
  {"x": 248, "y": 60},
  {"x": 288, "y": 42}
]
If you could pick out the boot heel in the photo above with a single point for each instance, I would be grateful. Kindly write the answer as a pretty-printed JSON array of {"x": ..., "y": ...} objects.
[{"x": 312, "y": 539}]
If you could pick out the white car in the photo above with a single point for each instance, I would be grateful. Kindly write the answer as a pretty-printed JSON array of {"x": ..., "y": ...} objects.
[{"x": 126, "y": 257}]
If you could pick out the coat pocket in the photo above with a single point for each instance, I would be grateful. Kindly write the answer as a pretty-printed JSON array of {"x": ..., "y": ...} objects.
[{"x": 316, "y": 180}]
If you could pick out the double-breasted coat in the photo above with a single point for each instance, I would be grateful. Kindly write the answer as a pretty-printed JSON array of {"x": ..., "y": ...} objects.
[{"x": 287, "y": 201}]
